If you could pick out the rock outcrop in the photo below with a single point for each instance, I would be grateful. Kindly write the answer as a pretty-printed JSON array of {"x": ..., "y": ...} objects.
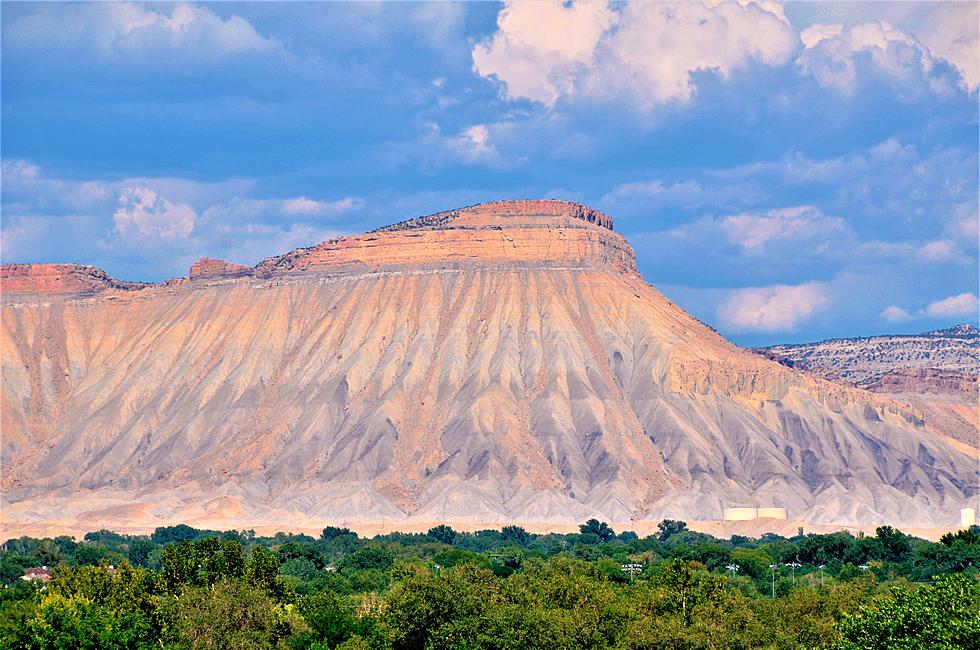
[
  {"x": 208, "y": 267},
  {"x": 926, "y": 380},
  {"x": 69, "y": 279},
  {"x": 498, "y": 363}
]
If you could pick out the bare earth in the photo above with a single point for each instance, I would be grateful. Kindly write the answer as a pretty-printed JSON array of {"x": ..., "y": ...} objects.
[
  {"x": 498, "y": 364},
  {"x": 935, "y": 373}
]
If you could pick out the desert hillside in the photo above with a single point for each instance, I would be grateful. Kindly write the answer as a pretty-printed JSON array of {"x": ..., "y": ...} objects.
[
  {"x": 936, "y": 373},
  {"x": 498, "y": 363}
]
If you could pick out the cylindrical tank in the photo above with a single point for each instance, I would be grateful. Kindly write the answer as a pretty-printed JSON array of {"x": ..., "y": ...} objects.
[
  {"x": 968, "y": 517},
  {"x": 773, "y": 513},
  {"x": 740, "y": 514}
]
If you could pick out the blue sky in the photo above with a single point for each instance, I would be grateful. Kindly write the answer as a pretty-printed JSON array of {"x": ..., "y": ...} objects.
[{"x": 786, "y": 173}]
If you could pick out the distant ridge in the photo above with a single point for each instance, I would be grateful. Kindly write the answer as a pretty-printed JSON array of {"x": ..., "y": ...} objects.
[
  {"x": 965, "y": 330},
  {"x": 935, "y": 372},
  {"x": 861, "y": 360}
]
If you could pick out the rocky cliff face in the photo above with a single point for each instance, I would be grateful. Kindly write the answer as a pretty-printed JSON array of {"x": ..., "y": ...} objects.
[
  {"x": 498, "y": 363},
  {"x": 554, "y": 233},
  {"x": 935, "y": 373},
  {"x": 68, "y": 279},
  {"x": 208, "y": 267}
]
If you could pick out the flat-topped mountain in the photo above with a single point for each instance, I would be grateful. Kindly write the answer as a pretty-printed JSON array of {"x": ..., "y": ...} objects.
[
  {"x": 934, "y": 372},
  {"x": 518, "y": 233},
  {"x": 500, "y": 233},
  {"x": 498, "y": 363}
]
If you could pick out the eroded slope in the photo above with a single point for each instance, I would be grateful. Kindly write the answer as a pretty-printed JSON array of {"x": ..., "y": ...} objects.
[{"x": 541, "y": 382}]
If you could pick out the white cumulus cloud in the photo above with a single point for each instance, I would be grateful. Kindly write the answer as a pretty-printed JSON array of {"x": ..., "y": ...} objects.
[
  {"x": 936, "y": 252},
  {"x": 18, "y": 170},
  {"x": 951, "y": 31},
  {"x": 833, "y": 54},
  {"x": 964, "y": 224},
  {"x": 305, "y": 206},
  {"x": 964, "y": 304},
  {"x": 779, "y": 308},
  {"x": 960, "y": 305},
  {"x": 895, "y": 314},
  {"x": 136, "y": 34},
  {"x": 542, "y": 47},
  {"x": 543, "y": 51},
  {"x": 796, "y": 224},
  {"x": 144, "y": 215}
]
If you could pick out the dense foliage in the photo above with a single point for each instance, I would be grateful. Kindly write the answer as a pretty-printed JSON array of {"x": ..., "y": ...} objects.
[{"x": 186, "y": 588}]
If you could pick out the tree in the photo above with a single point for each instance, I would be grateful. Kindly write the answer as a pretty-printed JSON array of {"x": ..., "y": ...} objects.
[
  {"x": 941, "y": 617},
  {"x": 369, "y": 557},
  {"x": 231, "y": 614},
  {"x": 445, "y": 611},
  {"x": 507, "y": 560},
  {"x": 107, "y": 537},
  {"x": 690, "y": 583},
  {"x": 711, "y": 555},
  {"x": 174, "y": 534},
  {"x": 333, "y": 532},
  {"x": 823, "y": 549},
  {"x": 139, "y": 552},
  {"x": 453, "y": 557},
  {"x": 232, "y": 560},
  {"x": 89, "y": 607},
  {"x": 599, "y": 529},
  {"x": 515, "y": 535},
  {"x": 12, "y": 565},
  {"x": 298, "y": 551},
  {"x": 74, "y": 622},
  {"x": 331, "y": 617},
  {"x": 444, "y": 534},
  {"x": 262, "y": 570},
  {"x": 967, "y": 536},
  {"x": 179, "y": 565},
  {"x": 15, "y": 617},
  {"x": 894, "y": 543},
  {"x": 90, "y": 554},
  {"x": 299, "y": 567},
  {"x": 669, "y": 528}
]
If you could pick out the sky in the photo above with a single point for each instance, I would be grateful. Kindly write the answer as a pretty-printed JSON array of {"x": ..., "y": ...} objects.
[{"x": 786, "y": 173}]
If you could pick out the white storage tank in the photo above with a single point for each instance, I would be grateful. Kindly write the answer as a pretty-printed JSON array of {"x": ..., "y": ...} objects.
[
  {"x": 968, "y": 517},
  {"x": 773, "y": 513},
  {"x": 740, "y": 514}
]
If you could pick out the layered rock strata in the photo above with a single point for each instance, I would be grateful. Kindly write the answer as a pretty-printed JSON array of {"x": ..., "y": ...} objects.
[
  {"x": 493, "y": 364},
  {"x": 208, "y": 267},
  {"x": 501, "y": 233},
  {"x": 68, "y": 279}
]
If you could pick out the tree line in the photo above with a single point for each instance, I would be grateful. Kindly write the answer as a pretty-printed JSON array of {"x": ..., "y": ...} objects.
[{"x": 183, "y": 587}]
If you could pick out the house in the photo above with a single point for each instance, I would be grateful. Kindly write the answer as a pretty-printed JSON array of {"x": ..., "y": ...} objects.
[{"x": 40, "y": 573}]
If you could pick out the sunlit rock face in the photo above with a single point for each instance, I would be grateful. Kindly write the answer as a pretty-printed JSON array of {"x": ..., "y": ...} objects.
[
  {"x": 208, "y": 267},
  {"x": 498, "y": 363}
]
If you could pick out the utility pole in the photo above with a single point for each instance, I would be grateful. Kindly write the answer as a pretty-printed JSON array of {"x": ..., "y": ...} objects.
[
  {"x": 821, "y": 567},
  {"x": 792, "y": 566},
  {"x": 772, "y": 567},
  {"x": 631, "y": 569},
  {"x": 733, "y": 568}
]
